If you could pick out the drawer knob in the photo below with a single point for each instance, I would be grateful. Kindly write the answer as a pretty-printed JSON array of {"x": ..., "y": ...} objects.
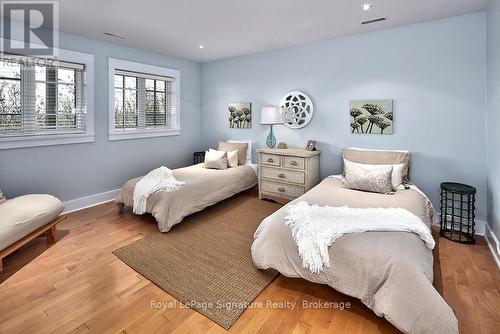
[
  {"x": 270, "y": 160},
  {"x": 281, "y": 175},
  {"x": 281, "y": 189},
  {"x": 293, "y": 163}
]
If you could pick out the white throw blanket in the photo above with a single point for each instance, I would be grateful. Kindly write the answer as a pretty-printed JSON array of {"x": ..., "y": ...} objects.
[
  {"x": 159, "y": 179},
  {"x": 315, "y": 228}
]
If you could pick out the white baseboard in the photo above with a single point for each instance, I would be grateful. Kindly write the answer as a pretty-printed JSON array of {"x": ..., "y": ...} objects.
[
  {"x": 90, "y": 201},
  {"x": 493, "y": 244},
  {"x": 483, "y": 229}
]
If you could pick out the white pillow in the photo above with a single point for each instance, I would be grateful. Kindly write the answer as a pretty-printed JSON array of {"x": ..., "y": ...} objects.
[
  {"x": 397, "y": 172},
  {"x": 249, "y": 148},
  {"x": 216, "y": 159},
  {"x": 232, "y": 157}
]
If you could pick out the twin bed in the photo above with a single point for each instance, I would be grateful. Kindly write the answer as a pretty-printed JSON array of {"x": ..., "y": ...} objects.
[
  {"x": 203, "y": 187},
  {"x": 390, "y": 272}
]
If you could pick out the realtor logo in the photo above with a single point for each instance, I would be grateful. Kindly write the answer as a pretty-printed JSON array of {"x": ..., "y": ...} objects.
[{"x": 30, "y": 27}]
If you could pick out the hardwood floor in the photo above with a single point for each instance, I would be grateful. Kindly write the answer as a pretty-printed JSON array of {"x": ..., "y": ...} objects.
[{"x": 78, "y": 285}]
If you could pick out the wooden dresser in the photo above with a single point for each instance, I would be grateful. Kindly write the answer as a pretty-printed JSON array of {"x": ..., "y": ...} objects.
[{"x": 285, "y": 174}]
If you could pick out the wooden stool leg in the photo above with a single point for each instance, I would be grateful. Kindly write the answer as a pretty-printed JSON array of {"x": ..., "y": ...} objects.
[
  {"x": 51, "y": 235},
  {"x": 1, "y": 264}
]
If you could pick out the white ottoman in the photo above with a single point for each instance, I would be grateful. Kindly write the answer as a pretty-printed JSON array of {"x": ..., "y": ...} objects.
[{"x": 26, "y": 217}]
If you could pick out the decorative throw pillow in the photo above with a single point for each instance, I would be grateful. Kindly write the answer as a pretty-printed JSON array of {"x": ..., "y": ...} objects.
[
  {"x": 2, "y": 197},
  {"x": 249, "y": 149},
  {"x": 240, "y": 147},
  {"x": 232, "y": 158},
  {"x": 380, "y": 157},
  {"x": 397, "y": 172},
  {"x": 216, "y": 159},
  {"x": 377, "y": 180}
]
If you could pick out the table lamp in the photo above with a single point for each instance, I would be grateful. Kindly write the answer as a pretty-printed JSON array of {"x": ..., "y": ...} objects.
[{"x": 271, "y": 116}]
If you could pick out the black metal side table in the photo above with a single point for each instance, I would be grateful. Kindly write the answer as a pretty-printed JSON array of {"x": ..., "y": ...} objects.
[
  {"x": 198, "y": 157},
  {"x": 457, "y": 212}
]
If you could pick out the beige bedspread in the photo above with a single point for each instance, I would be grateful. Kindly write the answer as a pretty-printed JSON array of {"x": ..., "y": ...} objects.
[
  {"x": 390, "y": 272},
  {"x": 204, "y": 187}
]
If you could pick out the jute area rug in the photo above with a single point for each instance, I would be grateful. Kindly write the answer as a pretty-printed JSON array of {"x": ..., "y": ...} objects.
[{"x": 205, "y": 261}]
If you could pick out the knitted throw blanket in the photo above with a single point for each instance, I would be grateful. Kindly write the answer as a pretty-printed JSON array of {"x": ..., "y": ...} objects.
[
  {"x": 159, "y": 179},
  {"x": 315, "y": 228}
]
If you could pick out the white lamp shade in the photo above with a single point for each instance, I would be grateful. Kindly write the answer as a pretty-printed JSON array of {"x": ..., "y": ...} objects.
[{"x": 271, "y": 115}]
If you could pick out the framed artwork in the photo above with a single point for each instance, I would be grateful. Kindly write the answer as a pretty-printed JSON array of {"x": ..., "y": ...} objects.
[
  {"x": 371, "y": 116},
  {"x": 311, "y": 145},
  {"x": 240, "y": 115}
]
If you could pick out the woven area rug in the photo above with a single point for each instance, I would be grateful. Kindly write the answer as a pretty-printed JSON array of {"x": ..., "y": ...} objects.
[{"x": 205, "y": 261}]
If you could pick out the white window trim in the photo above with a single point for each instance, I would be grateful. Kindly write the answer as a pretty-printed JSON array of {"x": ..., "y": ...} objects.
[
  {"x": 120, "y": 134},
  {"x": 61, "y": 139}
]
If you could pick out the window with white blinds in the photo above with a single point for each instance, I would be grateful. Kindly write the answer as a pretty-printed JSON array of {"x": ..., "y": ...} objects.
[
  {"x": 46, "y": 101},
  {"x": 39, "y": 98},
  {"x": 145, "y": 100},
  {"x": 142, "y": 100}
]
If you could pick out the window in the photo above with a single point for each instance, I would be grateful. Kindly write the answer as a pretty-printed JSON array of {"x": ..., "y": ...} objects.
[
  {"x": 44, "y": 101},
  {"x": 126, "y": 100},
  {"x": 144, "y": 100}
]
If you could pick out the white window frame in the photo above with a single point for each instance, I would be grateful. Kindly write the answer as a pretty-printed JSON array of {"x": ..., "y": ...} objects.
[
  {"x": 132, "y": 133},
  {"x": 55, "y": 139}
]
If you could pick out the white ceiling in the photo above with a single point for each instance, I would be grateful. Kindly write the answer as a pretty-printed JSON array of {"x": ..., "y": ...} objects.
[{"x": 230, "y": 28}]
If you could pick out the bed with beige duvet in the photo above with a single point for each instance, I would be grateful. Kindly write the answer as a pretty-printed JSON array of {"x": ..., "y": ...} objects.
[
  {"x": 203, "y": 187},
  {"x": 390, "y": 272}
]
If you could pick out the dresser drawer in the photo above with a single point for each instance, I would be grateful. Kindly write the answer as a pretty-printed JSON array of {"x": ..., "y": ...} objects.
[
  {"x": 281, "y": 189},
  {"x": 294, "y": 162},
  {"x": 270, "y": 159},
  {"x": 283, "y": 175}
]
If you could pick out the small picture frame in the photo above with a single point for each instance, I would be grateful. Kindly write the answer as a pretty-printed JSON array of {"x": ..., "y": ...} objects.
[{"x": 311, "y": 145}]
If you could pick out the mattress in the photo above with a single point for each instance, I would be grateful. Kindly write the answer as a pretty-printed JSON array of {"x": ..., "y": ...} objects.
[{"x": 203, "y": 187}]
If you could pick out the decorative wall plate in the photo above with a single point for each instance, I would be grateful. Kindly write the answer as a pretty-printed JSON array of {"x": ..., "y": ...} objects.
[{"x": 298, "y": 109}]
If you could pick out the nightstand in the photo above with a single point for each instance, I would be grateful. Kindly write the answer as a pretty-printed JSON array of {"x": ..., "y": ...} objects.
[{"x": 285, "y": 174}]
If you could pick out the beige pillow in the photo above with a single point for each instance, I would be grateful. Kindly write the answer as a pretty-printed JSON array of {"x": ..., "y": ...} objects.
[
  {"x": 377, "y": 180},
  {"x": 249, "y": 149},
  {"x": 240, "y": 147},
  {"x": 397, "y": 172},
  {"x": 374, "y": 157},
  {"x": 215, "y": 159},
  {"x": 2, "y": 197}
]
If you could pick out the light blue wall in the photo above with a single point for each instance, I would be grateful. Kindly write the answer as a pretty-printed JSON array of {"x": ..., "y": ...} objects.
[
  {"x": 77, "y": 170},
  {"x": 493, "y": 115},
  {"x": 434, "y": 71}
]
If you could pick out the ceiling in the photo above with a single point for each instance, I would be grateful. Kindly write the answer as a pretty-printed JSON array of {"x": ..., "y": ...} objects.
[{"x": 229, "y": 28}]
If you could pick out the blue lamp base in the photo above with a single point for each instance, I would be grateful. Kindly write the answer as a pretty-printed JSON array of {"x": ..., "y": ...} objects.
[{"x": 271, "y": 139}]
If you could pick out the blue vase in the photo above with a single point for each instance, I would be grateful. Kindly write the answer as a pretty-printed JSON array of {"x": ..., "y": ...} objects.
[{"x": 271, "y": 139}]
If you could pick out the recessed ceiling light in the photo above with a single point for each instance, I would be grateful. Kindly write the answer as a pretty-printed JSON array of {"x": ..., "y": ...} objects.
[
  {"x": 201, "y": 46},
  {"x": 366, "y": 6}
]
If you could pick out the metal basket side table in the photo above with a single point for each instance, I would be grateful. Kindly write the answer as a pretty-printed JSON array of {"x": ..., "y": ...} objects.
[
  {"x": 198, "y": 157},
  {"x": 457, "y": 212}
]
